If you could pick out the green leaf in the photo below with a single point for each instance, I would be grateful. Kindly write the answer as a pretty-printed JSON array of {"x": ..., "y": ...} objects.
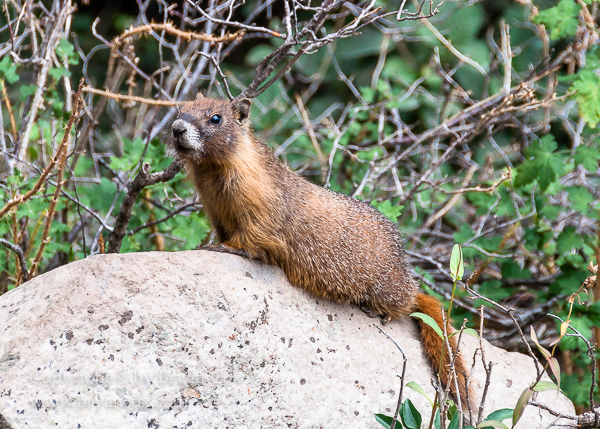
[
  {"x": 580, "y": 198},
  {"x": 587, "y": 87},
  {"x": 392, "y": 212},
  {"x": 411, "y": 419},
  {"x": 452, "y": 410},
  {"x": 457, "y": 268},
  {"x": 455, "y": 420},
  {"x": 27, "y": 90},
  {"x": 521, "y": 404},
  {"x": 542, "y": 164},
  {"x": 561, "y": 20},
  {"x": 102, "y": 194},
  {"x": 588, "y": 156},
  {"x": 8, "y": 70},
  {"x": 131, "y": 244},
  {"x": 359, "y": 47},
  {"x": 502, "y": 414},
  {"x": 568, "y": 240},
  {"x": 192, "y": 228},
  {"x": 464, "y": 233},
  {"x": 592, "y": 313},
  {"x": 132, "y": 152},
  {"x": 472, "y": 332},
  {"x": 554, "y": 366},
  {"x": 417, "y": 388},
  {"x": 66, "y": 52},
  {"x": 368, "y": 93},
  {"x": 58, "y": 72},
  {"x": 542, "y": 350},
  {"x": 543, "y": 386},
  {"x": 492, "y": 424},
  {"x": 568, "y": 281},
  {"x": 577, "y": 388},
  {"x": 385, "y": 421},
  {"x": 512, "y": 269},
  {"x": 428, "y": 320},
  {"x": 482, "y": 200}
]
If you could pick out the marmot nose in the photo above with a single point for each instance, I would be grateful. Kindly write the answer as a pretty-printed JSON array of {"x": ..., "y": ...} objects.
[{"x": 179, "y": 128}]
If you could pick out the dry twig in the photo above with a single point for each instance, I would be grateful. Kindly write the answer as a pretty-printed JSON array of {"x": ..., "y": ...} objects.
[{"x": 142, "y": 180}]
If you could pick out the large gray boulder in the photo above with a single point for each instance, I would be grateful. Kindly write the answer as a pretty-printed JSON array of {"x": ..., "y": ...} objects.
[{"x": 207, "y": 340}]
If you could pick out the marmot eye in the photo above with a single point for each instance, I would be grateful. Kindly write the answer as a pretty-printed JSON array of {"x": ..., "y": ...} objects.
[{"x": 215, "y": 119}]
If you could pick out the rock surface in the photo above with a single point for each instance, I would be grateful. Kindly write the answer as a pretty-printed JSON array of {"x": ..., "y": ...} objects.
[{"x": 206, "y": 340}]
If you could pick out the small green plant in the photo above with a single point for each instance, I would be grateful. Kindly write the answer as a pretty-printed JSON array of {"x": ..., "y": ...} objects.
[{"x": 408, "y": 416}]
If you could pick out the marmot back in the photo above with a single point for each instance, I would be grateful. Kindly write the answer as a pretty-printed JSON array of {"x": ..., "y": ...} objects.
[{"x": 332, "y": 245}]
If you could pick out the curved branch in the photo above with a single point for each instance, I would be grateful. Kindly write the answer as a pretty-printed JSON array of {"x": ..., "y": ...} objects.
[
  {"x": 19, "y": 252},
  {"x": 142, "y": 180}
]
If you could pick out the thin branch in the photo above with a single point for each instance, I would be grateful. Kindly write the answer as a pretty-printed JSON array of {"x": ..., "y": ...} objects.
[
  {"x": 453, "y": 200},
  {"x": 221, "y": 74},
  {"x": 38, "y": 100},
  {"x": 452, "y": 49},
  {"x": 59, "y": 182},
  {"x": 551, "y": 411},
  {"x": 310, "y": 129},
  {"x": 19, "y": 252},
  {"x": 395, "y": 418},
  {"x": 133, "y": 98},
  {"x": 187, "y": 35},
  {"x": 167, "y": 217},
  {"x": 49, "y": 215},
  {"x": 142, "y": 180},
  {"x": 506, "y": 55},
  {"x": 486, "y": 368},
  {"x": 63, "y": 147},
  {"x": 236, "y": 24}
]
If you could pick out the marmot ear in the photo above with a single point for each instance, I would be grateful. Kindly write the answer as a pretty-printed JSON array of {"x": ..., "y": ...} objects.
[
  {"x": 242, "y": 108},
  {"x": 199, "y": 96}
]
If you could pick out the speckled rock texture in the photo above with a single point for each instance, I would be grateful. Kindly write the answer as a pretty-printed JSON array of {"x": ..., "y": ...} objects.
[{"x": 206, "y": 340}]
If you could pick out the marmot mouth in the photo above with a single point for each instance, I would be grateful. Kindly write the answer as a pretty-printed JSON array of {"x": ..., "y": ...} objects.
[
  {"x": 182, "y": 149},
  {"x": 187, "y": 152},
  {"x": 179, "y": 147}
]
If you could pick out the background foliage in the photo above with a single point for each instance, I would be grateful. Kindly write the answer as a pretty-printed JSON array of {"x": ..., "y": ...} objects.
[{"x": 477, "y": 126}]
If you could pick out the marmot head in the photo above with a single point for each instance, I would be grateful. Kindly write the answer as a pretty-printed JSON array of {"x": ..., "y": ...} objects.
[{"x": 209, "y": 129}]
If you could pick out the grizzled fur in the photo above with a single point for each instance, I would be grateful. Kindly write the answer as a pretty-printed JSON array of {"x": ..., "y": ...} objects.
[{"x": 332, "y": 245}]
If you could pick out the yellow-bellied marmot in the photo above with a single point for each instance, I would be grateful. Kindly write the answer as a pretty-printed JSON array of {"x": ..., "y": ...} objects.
[{"x": 332, "y": 245}]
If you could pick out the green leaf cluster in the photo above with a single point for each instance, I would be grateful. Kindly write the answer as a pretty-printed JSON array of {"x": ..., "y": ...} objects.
[
  {"x": 587, "y": 90},
  {"x": 560, "y": 19},
  {"x": 8, "y": 70},
  {"x": 542, "y": 164}
]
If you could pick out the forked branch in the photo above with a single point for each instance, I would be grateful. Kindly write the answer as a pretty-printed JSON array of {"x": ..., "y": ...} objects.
[{"x": 142, "y": 180}]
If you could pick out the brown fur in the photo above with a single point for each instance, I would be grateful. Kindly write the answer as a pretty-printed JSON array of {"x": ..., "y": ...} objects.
[
  {"x": 332, "y": 245},
  {"x": 432, "y": 344}
]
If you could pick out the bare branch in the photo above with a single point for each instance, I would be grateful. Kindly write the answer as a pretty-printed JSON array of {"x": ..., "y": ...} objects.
[
  {"x": 37, "y": 104},
  {"x": 223, "y": 78},
  {"x": 399, "y": 403},
  {"x": 252, "y": 28},
  {"x": 19, "y": 252},
  {"x": 167, "y": 217},
  {"x": 142, "y": 180},
  {"x": 187, "y": 35},
  {"x": 62, "y": 148},
  {"x": 136, "y": 99}
]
